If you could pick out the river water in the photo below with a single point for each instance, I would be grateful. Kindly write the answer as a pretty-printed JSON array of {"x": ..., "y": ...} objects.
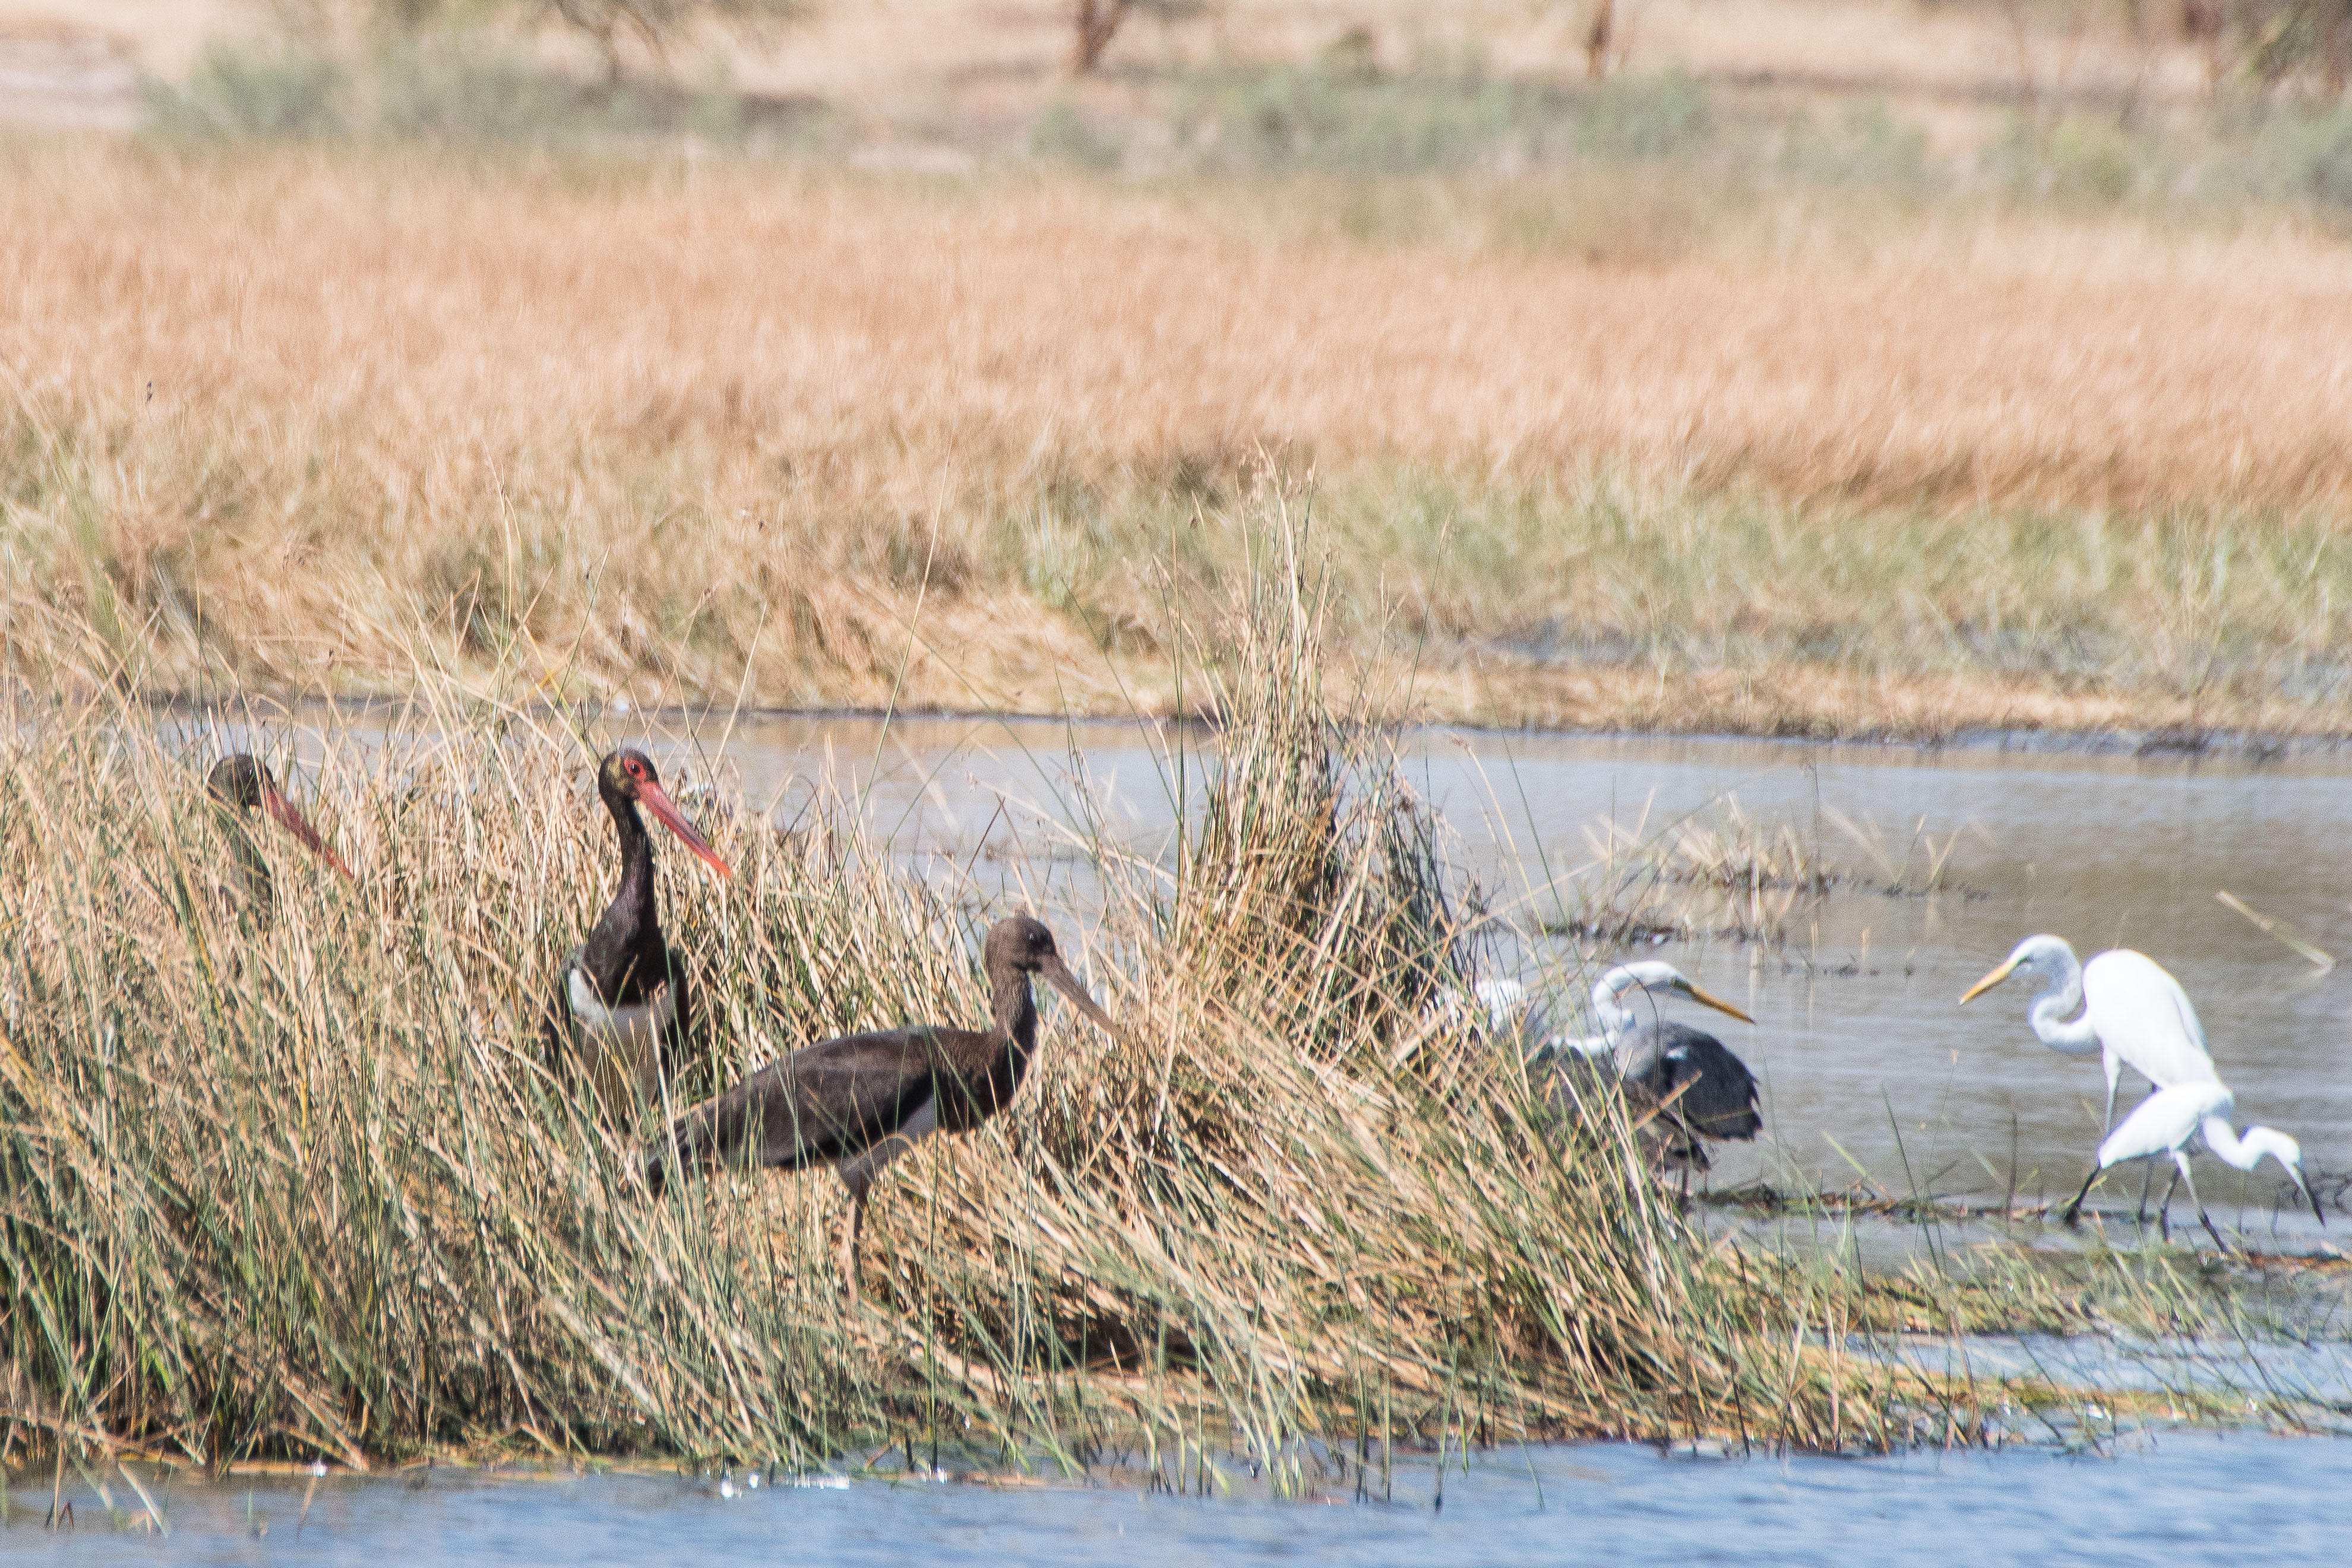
[{"x": 2234, "y": 1498}]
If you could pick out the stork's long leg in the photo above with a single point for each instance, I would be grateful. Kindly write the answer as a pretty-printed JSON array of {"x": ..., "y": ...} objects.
[{"x": 851, "y": 1228}]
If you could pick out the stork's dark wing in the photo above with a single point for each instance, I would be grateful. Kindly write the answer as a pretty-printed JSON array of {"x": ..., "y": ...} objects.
[
  {"x": 1718, "y": 1094},
  {"x": 555, "y": 1041},
  {"x": 824, "y": 1103}
]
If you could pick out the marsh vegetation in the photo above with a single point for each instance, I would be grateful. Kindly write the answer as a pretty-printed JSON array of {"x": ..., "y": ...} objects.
[{"x": 307, "y": 1189}]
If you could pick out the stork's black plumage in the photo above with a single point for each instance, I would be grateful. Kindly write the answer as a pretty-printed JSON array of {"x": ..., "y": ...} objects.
[
  {"x": 858, "y": 1102},
  {"x": 624, "y": 1006},
  {"x": 1707, "y": 1093}
]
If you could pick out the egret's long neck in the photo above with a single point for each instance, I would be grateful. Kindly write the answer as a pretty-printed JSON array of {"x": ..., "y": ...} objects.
[
  {"x": 2246, "y": 1153},
  {"x": 2050, "y": 1009}
]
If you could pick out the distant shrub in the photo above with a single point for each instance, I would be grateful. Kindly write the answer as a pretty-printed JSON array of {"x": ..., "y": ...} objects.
[
  {"x": 2079, "y": 159},
  {"x": 1634, "y": 117},
  {"x": 1062, "y": 134},
  {"x": 2302, "y": 157},
  {"x": 1342, "y": 114},
  {"x": 1867, "y": 146},
  {"x": 448, "y": 88},
  {"x": 454, "y": 86},
  {"x": 250, "y": 89}
]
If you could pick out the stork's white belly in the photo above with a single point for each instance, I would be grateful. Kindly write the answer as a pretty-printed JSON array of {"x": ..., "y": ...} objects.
[{"x": 620, "y": 1046}]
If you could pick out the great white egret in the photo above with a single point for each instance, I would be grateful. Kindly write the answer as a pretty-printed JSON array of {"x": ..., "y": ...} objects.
[
  {"x": 1701, "y": 1088},
  {"x": 2165, "y": 1123},
  {"x": 2133, "y": 1013}
]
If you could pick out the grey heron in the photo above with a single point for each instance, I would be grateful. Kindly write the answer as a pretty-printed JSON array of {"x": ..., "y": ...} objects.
[{"x": 1700, "y": 1089}]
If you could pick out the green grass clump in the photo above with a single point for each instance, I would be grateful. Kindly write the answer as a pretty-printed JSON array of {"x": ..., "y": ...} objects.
[
  {"x": 1346, "y": 117},
  {"x": 251, "y": 90},
  {"x": 441, "y": 86}
]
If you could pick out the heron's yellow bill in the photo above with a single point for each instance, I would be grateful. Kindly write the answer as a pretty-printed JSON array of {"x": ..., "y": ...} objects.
[
  {"x": 1719, "y": 1004},
  {"x": 1988, "y": 983}
]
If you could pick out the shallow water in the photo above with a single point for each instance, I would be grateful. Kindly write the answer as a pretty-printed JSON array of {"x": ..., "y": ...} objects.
[
  {"x": 2147, "y": 1498},
  {"x": 1869, "y": 1065}
]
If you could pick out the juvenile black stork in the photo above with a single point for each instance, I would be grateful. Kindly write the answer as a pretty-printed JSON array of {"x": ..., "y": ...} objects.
[
  {"x": 623, "y": 1007},
  {"x": 859, "y": 1102},
  {"x": 238, "y": 785}
]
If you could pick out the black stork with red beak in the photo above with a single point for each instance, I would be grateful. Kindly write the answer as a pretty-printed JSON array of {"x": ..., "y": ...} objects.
[
  {"x": 622, "y": 1010},
  {"x": 240, "y": 784},
  {"x": 859, "y": 1102}
]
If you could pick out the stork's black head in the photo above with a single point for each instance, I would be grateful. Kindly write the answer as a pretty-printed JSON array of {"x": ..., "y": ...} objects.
[
  {"x": 1020, "y": 944},
  {"x": 240, "y": 784},
  {"x": 1017, "y": 942},
  {"x": 626, "y": 775},
  {"x": 626, "y": 778}
]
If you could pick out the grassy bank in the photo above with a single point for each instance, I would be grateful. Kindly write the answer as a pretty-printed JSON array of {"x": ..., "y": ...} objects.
[
  {"x": 307, "y": 1189},
  {"x": 305, "y": 419}
]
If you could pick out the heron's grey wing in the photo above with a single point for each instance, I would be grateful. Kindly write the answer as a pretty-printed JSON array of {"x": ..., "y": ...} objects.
[
  {"x": 826, "y": 1102},
  {"x": 1712, "y": 1092}
]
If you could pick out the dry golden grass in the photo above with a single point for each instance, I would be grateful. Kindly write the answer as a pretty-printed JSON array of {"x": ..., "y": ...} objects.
[{"x": 298, "y": 415}]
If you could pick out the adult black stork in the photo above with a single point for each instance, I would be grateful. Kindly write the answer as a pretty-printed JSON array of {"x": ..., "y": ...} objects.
[
  {"x": 623, "y": 1007},
  {"x": 859, "y": 1102},
  {"x": 239, "y": 783}
]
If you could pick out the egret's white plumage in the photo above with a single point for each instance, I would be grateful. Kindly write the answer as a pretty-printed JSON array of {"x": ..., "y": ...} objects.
[
  {"x": 2168, "y": 1120},
  {"x": 2133, "y": 1013}
]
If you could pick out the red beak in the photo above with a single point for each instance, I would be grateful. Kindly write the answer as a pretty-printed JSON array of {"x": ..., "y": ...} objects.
[
  {"x": 654, "y": 798},
  {"x": 282, "y": 812}
]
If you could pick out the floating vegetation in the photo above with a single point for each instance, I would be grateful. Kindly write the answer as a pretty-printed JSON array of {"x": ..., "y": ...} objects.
[{"x": 1721, "y": 874}]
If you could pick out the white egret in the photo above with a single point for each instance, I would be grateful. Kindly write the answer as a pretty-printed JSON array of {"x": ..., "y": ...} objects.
[
  {"x": 1703, "y": 1089},
  {"x": 2165, "y": 1123},
  {"x": 2133, "y": 1013}
]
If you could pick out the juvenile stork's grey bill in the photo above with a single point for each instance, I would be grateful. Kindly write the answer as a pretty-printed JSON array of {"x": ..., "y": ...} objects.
[{"x": 1058, "y": 975}]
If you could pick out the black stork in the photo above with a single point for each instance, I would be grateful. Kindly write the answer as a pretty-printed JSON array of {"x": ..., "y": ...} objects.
[
  {"x": 622, "y": 1010},
  {"x": 859, "y": 1102},
  {"x": 240, "y": 784}
]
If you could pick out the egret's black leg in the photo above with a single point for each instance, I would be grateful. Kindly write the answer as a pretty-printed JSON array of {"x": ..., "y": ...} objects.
[
  {"x": 2183, "y": 1160},
  {"x": 2147, "y": 1186},
  {"x": 2074, "y": 1210},
  {"x": 2165, "y": 1216}
]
